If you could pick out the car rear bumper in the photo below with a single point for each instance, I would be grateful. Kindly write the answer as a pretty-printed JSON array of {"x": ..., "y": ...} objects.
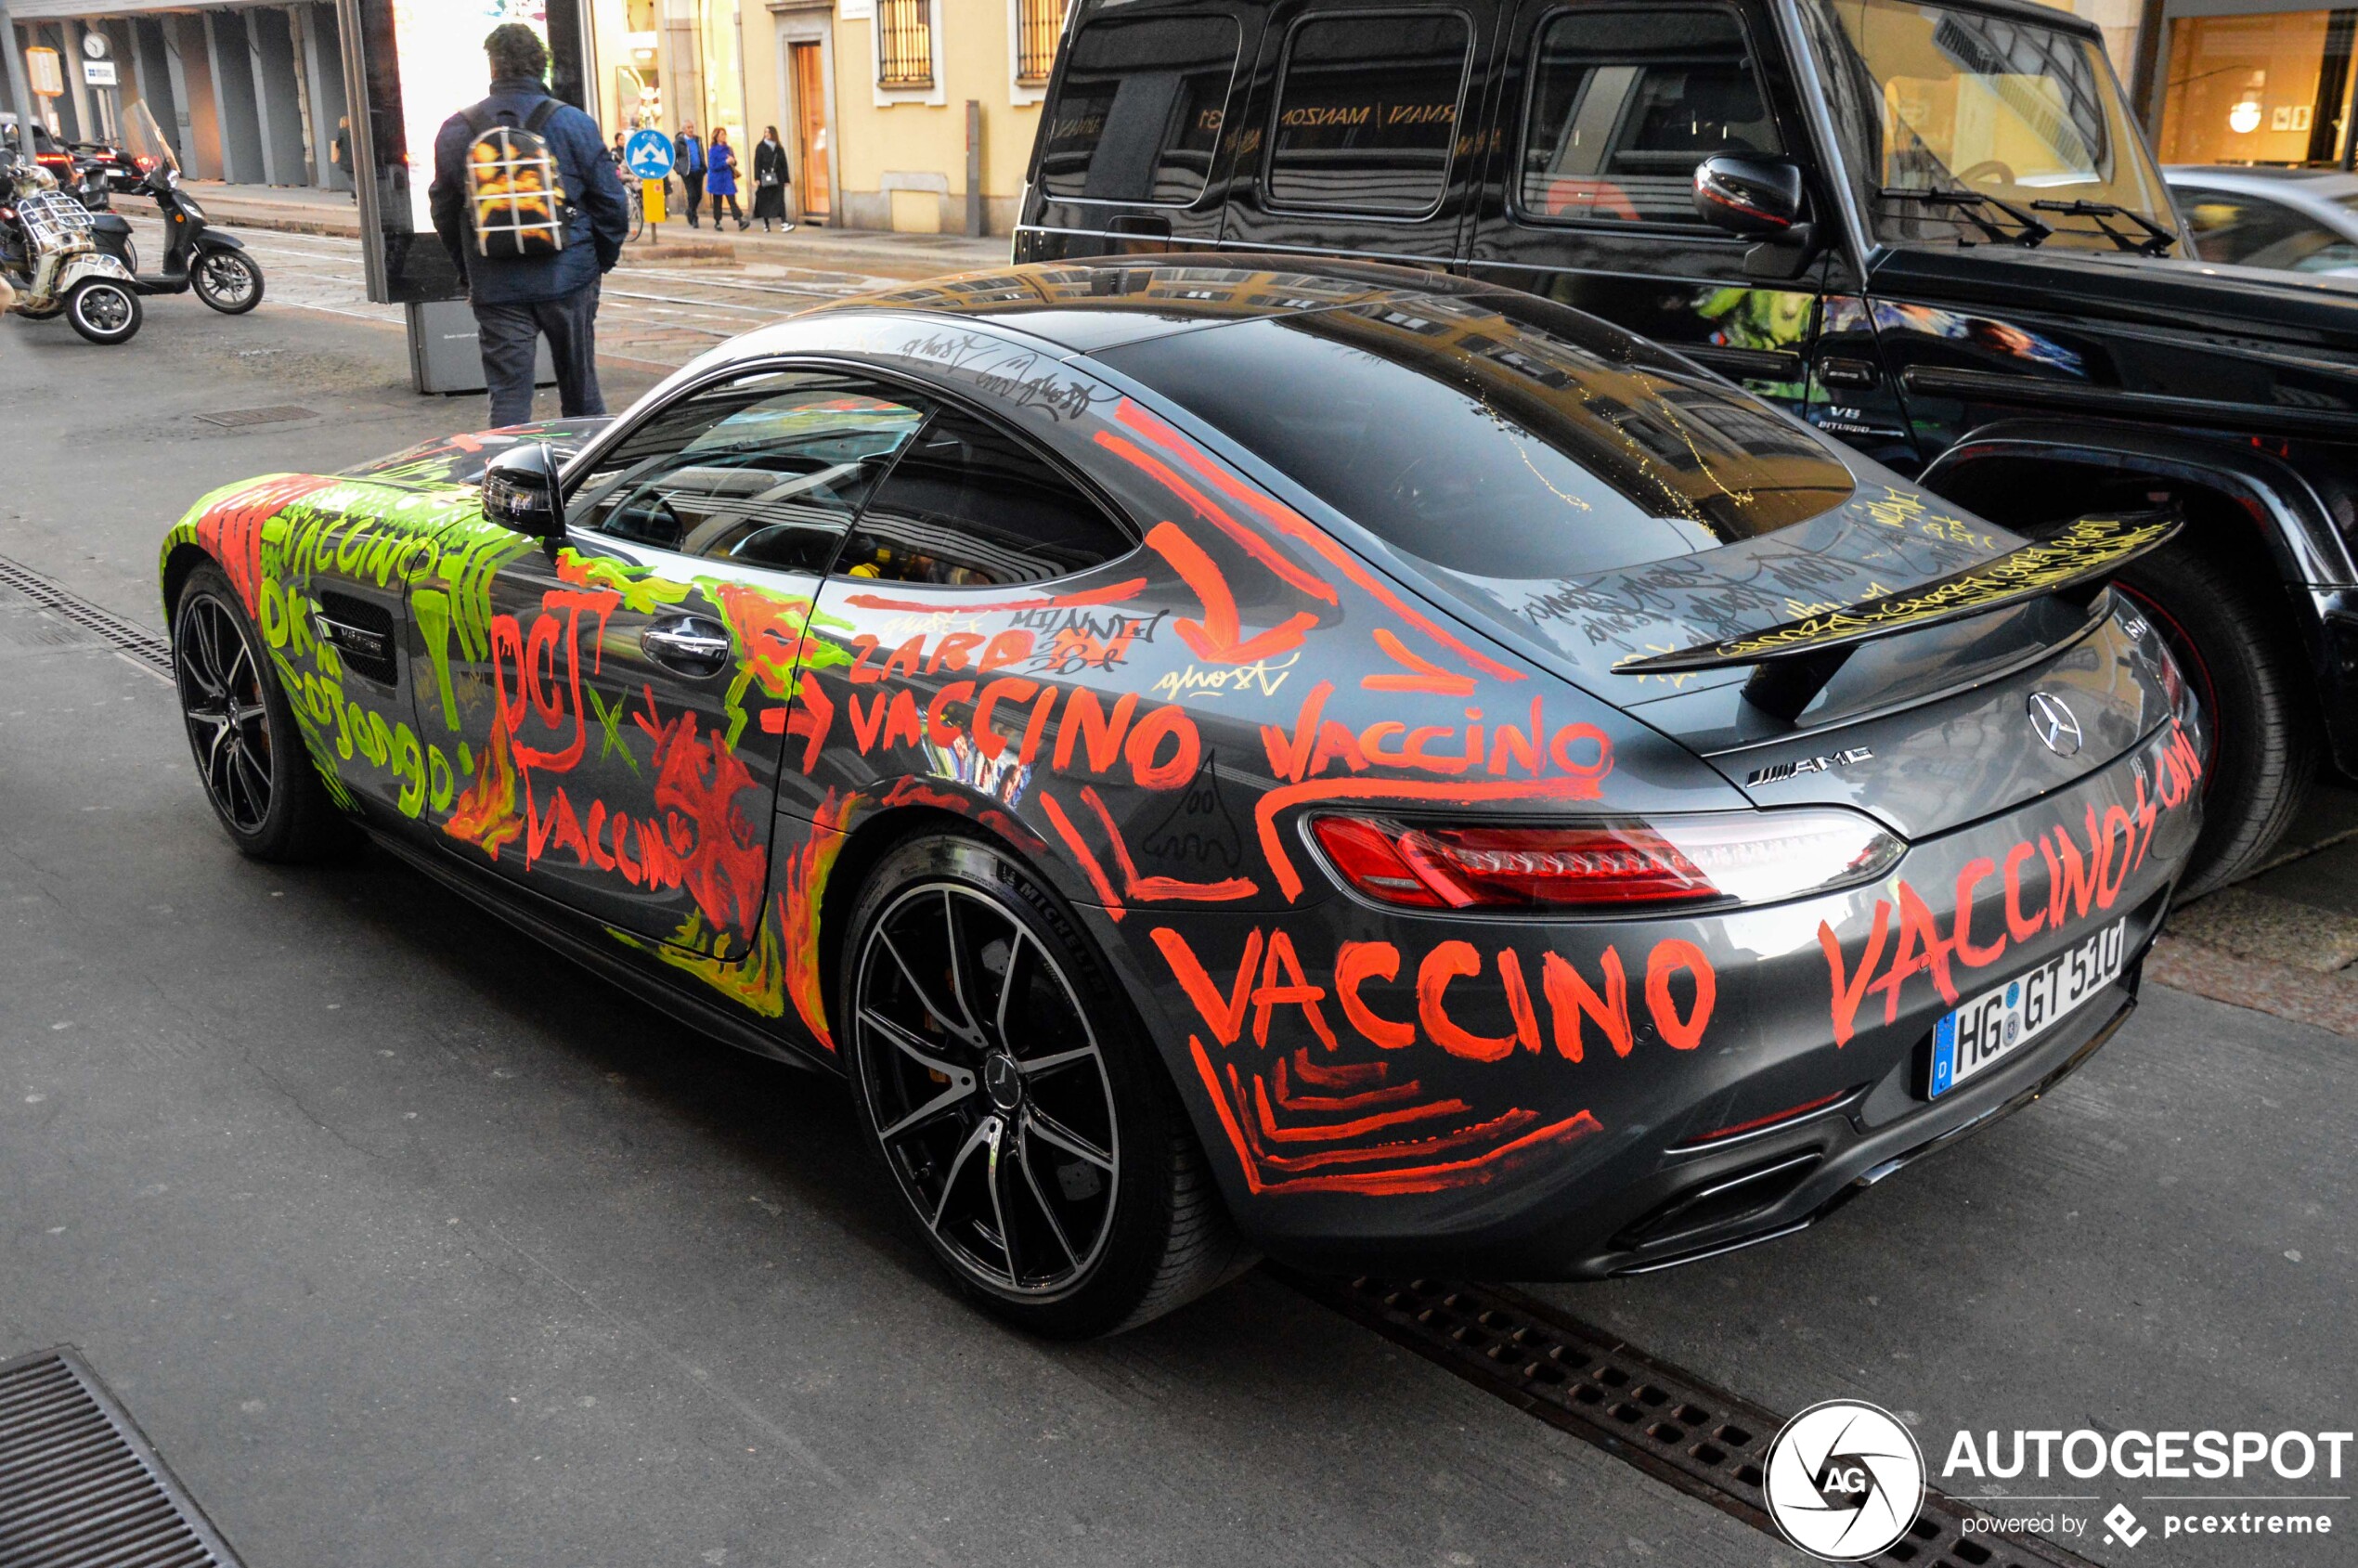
[{"x": 1583, "y": 1098}]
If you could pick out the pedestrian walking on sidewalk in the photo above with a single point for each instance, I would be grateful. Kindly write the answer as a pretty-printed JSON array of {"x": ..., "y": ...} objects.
[
  {"x": 340, "y": 154},
  {"x": 769, "y": 180},
  {"x": 721, "y": 179},
  {"x": 551, "y": 287},
  {"x": 687, "y": 161}
]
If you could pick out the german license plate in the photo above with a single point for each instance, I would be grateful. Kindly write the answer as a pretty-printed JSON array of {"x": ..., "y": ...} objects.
[{"x": 2007, "y": 1018}]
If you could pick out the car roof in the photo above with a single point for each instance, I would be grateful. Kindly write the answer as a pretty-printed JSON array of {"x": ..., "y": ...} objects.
[
  {"x": 1087, "y": 306},
  {"x": 2243, "y": 176}
]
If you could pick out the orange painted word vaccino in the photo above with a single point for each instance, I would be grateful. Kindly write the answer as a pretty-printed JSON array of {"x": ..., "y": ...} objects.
[{"x": 2078, "y": 881}]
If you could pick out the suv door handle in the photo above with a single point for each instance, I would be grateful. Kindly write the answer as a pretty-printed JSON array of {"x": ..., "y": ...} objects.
[{"x": 688, "y": 644}]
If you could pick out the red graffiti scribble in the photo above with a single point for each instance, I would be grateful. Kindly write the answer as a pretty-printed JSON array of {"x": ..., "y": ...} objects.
[
  {"x": 1253, "y": 543},
  {"x": 1159, "y": 890},
  {"x": 1091, "y": 866},
  {"x": 230, "y": 530},
  {"x": 1426, "y": 677},
  {"x": 1216, "y": 639},
  {"x": 706, "y": 843},
  {"x": 2080, "y": 881},
  {"x": 1292, "y": 524},
  {"x": 485, "y": 815}
]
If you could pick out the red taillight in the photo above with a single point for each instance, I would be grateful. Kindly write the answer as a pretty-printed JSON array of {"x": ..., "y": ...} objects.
[{"x": 1621, "y": 862}]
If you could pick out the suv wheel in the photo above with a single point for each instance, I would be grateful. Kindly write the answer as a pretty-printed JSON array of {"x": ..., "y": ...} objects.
[
  {"x": 1008, "y": 1089},
  {"x": 2229, "y": 643}
]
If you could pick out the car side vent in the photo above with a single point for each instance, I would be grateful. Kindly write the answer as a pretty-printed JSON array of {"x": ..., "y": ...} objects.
[
  {"x": 361, "y": 634},
  {"x": 1722, "y": 1198}
]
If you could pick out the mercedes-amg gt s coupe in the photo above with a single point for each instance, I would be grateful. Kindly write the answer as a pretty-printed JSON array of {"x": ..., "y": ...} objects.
[{"x": 1233, "y": 755}]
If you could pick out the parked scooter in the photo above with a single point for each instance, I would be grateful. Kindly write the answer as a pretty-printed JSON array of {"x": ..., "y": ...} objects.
[
  {"x": 197, "y": 256},
  {"x": 52, "y": 263}
]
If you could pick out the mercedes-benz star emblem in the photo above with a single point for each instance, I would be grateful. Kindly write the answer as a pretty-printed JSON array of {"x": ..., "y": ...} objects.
[
  {"x": 2054, "y": 722},
  {"x": 1845, "y": 1480}
]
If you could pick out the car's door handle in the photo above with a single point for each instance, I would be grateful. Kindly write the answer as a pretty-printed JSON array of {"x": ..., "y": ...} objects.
[{"x": 688, "y": 645}]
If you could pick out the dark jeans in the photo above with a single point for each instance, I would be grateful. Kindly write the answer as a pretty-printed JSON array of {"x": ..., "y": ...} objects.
[
  {"x": 695, "y": 195},
  {"x": 508, "y": 337},
  {"x": 734, "y": 211}
]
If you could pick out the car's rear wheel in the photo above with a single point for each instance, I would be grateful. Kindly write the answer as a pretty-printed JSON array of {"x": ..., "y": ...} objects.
[
  {"x": 2231, "y": 642},
  {"x": 251, "y": 756},
  {"x": 1026, "y": 1121}
]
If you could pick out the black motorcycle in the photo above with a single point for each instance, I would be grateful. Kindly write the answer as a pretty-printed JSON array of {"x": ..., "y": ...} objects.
[{"x": 197, "y": 256}]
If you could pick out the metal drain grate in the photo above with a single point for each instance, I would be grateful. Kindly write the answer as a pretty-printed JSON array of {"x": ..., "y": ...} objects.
[
  {"x": 81, "y": 1484},
  {"x": 237, "y": 419},
  {"x": 144, "y": 648},
  {"x": 1677, "y": 1428}
]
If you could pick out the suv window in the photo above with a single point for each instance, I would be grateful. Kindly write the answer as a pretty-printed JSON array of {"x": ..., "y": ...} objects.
[
  {"x": 1138, "y": 115},
  {"x": 1367, "y": 112},
  {"x": 768, "y": 470},
  {"x": 1624, "y": 104},
  {"x": 970, "y": 507}
]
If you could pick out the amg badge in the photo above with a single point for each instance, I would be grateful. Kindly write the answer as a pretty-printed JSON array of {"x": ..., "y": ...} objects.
[{"x": 1778, "y": 773}]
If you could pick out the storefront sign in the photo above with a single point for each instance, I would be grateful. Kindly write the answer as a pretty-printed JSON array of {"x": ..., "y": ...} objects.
[{"x": 98, "y": 73}]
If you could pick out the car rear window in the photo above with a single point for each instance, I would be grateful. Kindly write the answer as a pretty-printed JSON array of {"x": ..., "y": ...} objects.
[
  {"x": 1137, "y": 117},
  {"x": 1494, "y": 448}
]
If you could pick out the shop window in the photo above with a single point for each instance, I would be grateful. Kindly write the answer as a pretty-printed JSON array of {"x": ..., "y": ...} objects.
[
  {"x": 904, "y": 43},
  {"x": 1039, "y": 23},
  {"x": 1367, "y": 112},
  {"x": 2272, "y": 89},
  {"x": 1624, "y": 104},
  {"x": 1139, "y": 116}
]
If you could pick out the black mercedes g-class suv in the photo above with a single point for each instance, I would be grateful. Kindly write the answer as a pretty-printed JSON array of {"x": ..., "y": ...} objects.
[{"x": 1932, "y": 229}]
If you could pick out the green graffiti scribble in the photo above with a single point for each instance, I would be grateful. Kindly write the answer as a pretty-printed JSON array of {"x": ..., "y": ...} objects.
[{"x": 611, "y": 718}]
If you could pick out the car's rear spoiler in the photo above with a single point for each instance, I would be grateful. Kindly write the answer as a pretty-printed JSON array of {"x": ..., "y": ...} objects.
[{"x": 1793, "y": 661}]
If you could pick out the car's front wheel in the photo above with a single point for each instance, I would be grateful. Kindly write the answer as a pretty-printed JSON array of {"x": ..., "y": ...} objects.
[
  {"x": 256, "y": 771},
  {"x": 1022, "y": 1115}
]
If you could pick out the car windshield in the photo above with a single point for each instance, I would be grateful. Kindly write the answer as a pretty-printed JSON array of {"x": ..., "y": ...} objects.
[
  {"x": 1966, "y": 124},
  {"x": 1482, "y": 436}
]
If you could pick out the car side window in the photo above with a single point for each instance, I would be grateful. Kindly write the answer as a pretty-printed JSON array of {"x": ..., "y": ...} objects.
[
  {"x": 2253, "y": 231},
  {"x": 766, "y": 470},
  {"x": 1137, "y": 117},
  {"x": 1367, "y": 112},
  {"x": 968, "y": 505},
  {"x": 1625, "y": 103}
]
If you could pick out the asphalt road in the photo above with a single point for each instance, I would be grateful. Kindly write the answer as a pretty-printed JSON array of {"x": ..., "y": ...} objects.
[{"x": 409, "y": 1244}]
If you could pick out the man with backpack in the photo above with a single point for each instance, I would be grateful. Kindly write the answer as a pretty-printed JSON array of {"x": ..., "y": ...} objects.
[{"x": 531, "y": 213}]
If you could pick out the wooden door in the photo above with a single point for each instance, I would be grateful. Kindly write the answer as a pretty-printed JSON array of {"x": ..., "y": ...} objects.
[{"x": 806, "y": 63}]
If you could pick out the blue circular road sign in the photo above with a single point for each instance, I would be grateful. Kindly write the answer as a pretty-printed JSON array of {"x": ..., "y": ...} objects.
[{"x": 647, "y": 154}]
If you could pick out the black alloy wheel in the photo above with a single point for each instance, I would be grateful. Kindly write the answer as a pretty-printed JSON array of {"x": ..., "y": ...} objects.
[
  {"x": 256, "y": 771},
  {"x": 103, "y": 310},
  {"x": 230, "y": 281},
  {"x": 1027, "y": 1125}
]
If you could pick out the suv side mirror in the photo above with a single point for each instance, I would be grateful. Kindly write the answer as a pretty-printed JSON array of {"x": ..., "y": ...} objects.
[
  {"x": 1762, "y": 198},
  {"x": 521, "y": 490},
  {"x": 1758, "y": 197}
]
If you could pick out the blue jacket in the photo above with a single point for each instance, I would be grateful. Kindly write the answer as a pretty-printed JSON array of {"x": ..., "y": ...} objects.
[{"x": 601, "y": 216}]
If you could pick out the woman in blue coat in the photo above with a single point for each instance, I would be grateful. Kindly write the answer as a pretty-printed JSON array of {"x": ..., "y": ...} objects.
[{"x": 720, "y": 180}]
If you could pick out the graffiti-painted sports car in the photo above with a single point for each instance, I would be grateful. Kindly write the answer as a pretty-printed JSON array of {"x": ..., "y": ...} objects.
[{"x": 1226, "y": 755}]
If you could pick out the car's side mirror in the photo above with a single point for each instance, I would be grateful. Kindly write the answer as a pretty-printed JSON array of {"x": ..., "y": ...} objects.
[
  {"x": 1762, "y": 199},
  {"x": 1758, "y": 197},
  {"x": 521, "y": 490}
]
